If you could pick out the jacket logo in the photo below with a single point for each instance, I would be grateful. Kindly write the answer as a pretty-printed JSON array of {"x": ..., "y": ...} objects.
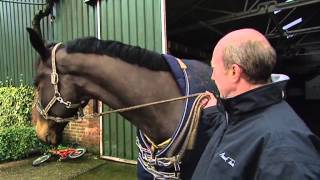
[{"x": 227, "y": 159}]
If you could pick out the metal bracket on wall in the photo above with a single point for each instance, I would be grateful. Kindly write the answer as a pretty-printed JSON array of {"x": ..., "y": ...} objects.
[{"x": 90, "y": 2}]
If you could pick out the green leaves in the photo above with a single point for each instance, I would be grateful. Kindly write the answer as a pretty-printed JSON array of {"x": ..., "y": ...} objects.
[
  {"x": 17, "y": 136},
  {"x": 15, "y": 106},
  {"x": 16, "y": 142}
]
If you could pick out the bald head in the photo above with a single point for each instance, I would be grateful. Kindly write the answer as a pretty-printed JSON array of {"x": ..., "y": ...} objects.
[
  {"x": 251, "y": 50},
  {"x": 242, "y": 36},
  {"x": 238, "y": 37}
]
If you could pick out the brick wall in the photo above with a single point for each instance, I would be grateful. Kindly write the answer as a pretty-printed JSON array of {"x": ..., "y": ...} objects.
[{"x": 86, "y": 132}]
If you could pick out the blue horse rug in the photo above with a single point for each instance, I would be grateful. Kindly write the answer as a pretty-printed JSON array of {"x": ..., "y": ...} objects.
[{"x": 153, "y": 165}]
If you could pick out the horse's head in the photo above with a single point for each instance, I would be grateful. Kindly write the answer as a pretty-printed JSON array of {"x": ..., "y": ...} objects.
[{"x": 57, "y": 96}]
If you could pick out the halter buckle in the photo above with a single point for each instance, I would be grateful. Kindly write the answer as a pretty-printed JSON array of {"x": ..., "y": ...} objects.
[{"x": 54, "y": 78}]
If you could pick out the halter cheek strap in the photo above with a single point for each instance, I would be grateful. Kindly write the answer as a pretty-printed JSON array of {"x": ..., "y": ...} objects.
[{"x": 57, "y": 95}]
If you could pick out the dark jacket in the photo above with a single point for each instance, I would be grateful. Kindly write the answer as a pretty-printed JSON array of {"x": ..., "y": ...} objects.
[{"x": 257, "y": 135}]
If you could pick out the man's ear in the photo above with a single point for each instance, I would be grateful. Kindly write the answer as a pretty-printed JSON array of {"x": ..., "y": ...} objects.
[
  {"x": 236, "y": 71},
  {"x": 38, "y": 44}
]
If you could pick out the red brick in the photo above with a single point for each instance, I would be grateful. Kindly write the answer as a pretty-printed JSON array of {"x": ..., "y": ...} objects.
[{"x": 85, "y": 132}]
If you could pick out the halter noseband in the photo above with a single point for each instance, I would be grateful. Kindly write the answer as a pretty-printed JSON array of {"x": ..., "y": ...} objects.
[{"x": 57, "y": 95}]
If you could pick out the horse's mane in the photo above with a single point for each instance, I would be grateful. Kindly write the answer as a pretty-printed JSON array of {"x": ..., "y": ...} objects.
[{"x": 128, "y": 53}]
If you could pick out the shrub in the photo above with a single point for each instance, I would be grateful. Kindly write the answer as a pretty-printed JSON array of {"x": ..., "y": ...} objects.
[
  {"x": 17, "y": 137},
  {"x": 18, "y": 142},
  {"x": 15, "y": 103}
]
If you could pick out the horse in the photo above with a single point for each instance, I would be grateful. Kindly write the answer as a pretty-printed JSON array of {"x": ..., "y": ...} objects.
[{"x": 119, "y": 75}]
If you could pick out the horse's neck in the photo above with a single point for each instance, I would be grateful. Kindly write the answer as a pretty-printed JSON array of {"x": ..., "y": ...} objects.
[{"x": 120, "y": 84}]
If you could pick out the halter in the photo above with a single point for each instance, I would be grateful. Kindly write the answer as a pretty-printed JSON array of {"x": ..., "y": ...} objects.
[{"x": 57, "y": 95}]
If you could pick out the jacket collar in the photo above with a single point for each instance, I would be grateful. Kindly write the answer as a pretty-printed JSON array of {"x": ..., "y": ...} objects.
[{"x": 257, "y": 98}]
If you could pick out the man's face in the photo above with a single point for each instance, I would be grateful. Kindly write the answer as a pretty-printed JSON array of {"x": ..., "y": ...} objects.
[{"x": 221, "y": 75}]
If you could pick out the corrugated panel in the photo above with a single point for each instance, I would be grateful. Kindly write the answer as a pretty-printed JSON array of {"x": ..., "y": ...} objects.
[
  {"x": 16, "y": 54},
  {"x": 74, "y": 19},
  {"x": 135, "y": 22}
]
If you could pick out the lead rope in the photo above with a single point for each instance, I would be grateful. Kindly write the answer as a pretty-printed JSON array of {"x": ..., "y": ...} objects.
[
  {"x": 145, "y": 105},
  {"x": 96, "y": 115}
]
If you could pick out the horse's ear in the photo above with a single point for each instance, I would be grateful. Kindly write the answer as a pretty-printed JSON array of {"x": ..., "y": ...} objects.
[{"x": 38, "y": 44}]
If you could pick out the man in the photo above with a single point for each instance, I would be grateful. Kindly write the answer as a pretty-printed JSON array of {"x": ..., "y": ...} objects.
[{"x": 256, "y": 133}]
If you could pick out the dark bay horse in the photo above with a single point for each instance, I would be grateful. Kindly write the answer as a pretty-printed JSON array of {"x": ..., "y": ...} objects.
[{"x": 117, "y": 74}]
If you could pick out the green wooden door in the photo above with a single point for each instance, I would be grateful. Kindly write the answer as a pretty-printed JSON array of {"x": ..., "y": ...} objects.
[{"x": 135, "y": 22}]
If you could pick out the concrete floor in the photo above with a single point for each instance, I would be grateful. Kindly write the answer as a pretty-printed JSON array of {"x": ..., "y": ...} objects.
[{"x": 87, "y": 167}]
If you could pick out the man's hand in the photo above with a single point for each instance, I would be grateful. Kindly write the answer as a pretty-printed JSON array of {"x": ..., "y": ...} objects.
[{"x": 210, "y": 101}]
